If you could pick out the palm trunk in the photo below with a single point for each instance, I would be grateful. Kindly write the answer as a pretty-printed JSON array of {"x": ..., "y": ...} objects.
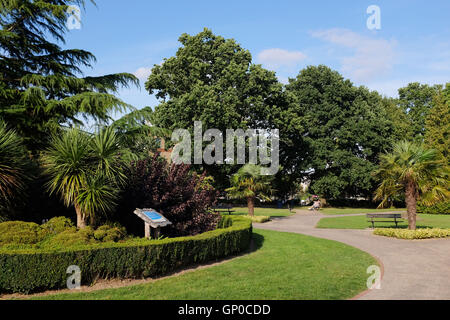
[
  {"x": 81, "y": 218},
  {"x": 411, "y": 202},
  {"x": 251, "y": 206}
]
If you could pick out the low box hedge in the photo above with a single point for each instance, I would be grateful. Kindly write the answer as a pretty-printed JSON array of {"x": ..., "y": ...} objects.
[
  {"x": 27, "y": 271},
  {"x": 426, "y": 233}
]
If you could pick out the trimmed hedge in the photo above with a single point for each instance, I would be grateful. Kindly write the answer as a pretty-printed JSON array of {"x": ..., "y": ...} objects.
[
  {"x": 28, "y": 271},
  {"x": 413, "y": 234},
  {"x": 438, "y": 208},
  {"x": 258, "y": 219}
]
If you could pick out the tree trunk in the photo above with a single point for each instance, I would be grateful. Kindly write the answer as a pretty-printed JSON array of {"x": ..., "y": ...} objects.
[
  {"x": 81, "y": 219},
  {"x": 411, "y": 202},
  {"x": 251, "y": 206}
]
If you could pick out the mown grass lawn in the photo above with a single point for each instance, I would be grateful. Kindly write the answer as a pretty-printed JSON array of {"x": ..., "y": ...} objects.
[
  {"x": 269, "y": 212},
  {"x": 360, "y": 222},
  {"x": 337, "y": 211},
  {"x": 285, "y": 266}
]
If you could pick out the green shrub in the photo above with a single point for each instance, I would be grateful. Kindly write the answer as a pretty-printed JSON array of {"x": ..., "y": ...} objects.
[
  {"x": 413, "y": 234},
  {"x": 57, "y": 225},
  {"x": 439, "y": 208},
  {"x": 258, "y": 219},
  {"x": 108, "y": 233},
  {"x": 35, "y": 270},
  {"x": 19, "y": 232}
]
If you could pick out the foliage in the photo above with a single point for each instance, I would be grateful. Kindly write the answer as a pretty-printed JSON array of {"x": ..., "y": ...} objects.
[
  {"x": 41, "y": 87},
  {"x": 248, "y": 183},
  {"x": 437, "y": 128},
  {"x": 258, "y": 219},
  {"x": 57, "y": 233},
  {"x": 85, "y": 170},
  {"x": 37, "y": 270},
  {"x": 213, "y": 80},
  {"x": 13, "y": 166},
  {"x": 442, "y": 207},
  {"x": 414, "y": 171},
  {"x": 416, "y": 101},
  {"x": 174, "y": 191},
  {"x": 413, "y": 234},
  {"x": 341, "y": 131},
  {"x": 20, "y": 233},
  {"x": 136, "y": 131},
  {"x": 56, "y": 226}
]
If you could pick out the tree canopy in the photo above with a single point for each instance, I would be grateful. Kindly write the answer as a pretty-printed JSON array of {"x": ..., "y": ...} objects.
[
  {"x": 213, "y": 80},
  {"x": 416, "y": 101},
  {"x": 344, "y": 129},
  {"x": 437, "y": 128},
  {"x": 41, "y": 84}
]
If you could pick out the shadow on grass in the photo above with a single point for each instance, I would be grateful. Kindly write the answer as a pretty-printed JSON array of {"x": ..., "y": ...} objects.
[{"x": 256, "y": 244}]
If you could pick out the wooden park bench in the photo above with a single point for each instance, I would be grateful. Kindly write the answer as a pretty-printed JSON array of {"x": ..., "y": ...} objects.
[
  {"x": 223, "y": 208},
  {"x": 393, "y": 217}
]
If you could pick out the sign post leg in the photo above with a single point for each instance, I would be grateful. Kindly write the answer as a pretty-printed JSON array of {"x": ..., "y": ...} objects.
[{"x": 147, "y": 231}]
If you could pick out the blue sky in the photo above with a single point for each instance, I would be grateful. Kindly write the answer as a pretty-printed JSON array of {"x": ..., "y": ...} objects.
[{"x": 413, "y": 43}]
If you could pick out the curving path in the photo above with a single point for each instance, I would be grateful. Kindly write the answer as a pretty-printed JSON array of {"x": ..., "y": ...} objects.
[{"x": 412, "y": 269}]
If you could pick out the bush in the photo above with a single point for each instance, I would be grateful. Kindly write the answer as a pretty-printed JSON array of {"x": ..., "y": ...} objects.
[
  {"x": 57, "y": 225},
  {"x": 413, "y": 234},
  {"x": 57, "y": 233},
  {"x": 29, "y": 271},
  {"x": 258, "y": 219},
  {"x": 20, "y": 233},
  {"x": 180, "y": 195},
  {"x": 439, "y": 208}
]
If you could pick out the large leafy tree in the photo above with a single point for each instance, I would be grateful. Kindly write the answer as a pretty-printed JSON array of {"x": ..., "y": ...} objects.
[
  {"x": 85, "y": 171},
  {"x": 415, "y": 172},
  {"x": 213, "y": 80},
  {"x": 342, "y": 129},
  {"x": 41, "y": 84},
  {"x": 249, "y": 184},
  {"x": 416, "y": 100},
  {"x": 437, "y": 129}
]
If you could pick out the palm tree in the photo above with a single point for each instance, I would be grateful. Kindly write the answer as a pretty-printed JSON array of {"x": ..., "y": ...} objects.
[
  {"x": 248, "y": 183},
  {"x": 414, "y": 171},
  {"x": 85, "y": 170},
  {"x": 13, "y": 163}
]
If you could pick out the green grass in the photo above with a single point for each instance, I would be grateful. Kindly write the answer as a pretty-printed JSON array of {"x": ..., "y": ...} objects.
[
  {"x": 269, "y": 212},
  {"x": 338, "y": 211},
  {"x": 285, "y": 266},
  {"x": 360, "y": 222}
]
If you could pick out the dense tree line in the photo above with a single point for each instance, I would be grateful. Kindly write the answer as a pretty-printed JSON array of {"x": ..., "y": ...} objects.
[{"x": 332, "y": 132}]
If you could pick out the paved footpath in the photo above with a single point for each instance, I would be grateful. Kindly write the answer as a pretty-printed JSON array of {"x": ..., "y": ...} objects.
[{"x": 417, "y": 269}]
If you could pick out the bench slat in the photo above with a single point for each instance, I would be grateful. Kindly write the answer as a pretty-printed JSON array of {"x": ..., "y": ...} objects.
[{"x": 384, "y": 215}]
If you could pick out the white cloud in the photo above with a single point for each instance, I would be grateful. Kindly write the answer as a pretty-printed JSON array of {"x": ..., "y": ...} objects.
[
  {"x": 276, "y": 58},
  {"x": 372, "y": 57},
  {"x": 143, "y": 73}
]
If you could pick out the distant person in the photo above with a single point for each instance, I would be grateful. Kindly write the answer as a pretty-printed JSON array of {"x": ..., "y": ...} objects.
[{"x": 316, "y": 206}]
